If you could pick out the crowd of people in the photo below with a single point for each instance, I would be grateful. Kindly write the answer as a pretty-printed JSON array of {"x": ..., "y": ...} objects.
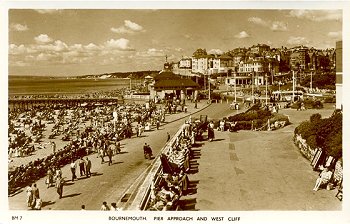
[
  {"x": 80, "y": 131},
  {"x": 172, "y": 183}
]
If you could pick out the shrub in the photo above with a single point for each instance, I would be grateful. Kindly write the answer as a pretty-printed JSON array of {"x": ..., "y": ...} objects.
[
  {"x": 323, "y": 133},
  {"x": 279, "y": 117},
  {"x": 315, "y": 118},
  {"x": 243, "y": 125}
]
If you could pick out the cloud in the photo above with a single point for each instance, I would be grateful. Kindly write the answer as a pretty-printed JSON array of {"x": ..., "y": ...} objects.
[
  {"x": 278, "y": 26},
  {"x": 47, "y": 51},
  {"x": 272, "y": 25},
  {"x": 335, "y": 35},
  {"x": 120, "y": 44},
  {"x": 242, "y": 34},
  {"x": 188, "y": 36},
  {"x": 317, "y": 15},
  {"x": 151, "y": 52},
  {"x": 19, "y": 27},
  {"x": 43, "y": 39},
  {"x": 297, "y": 41},
  {"x": 48, "y": 11},
  {"x": 46, "y": 56},
  {"x": 132, "y": 26},
  {"x": 215, "y": 51},
  {"x": 128, "y": 28},
  {"x": 17, "y": 50},
  {"x": 179, "y": 49},
  {"x": 257, "y": 20}
]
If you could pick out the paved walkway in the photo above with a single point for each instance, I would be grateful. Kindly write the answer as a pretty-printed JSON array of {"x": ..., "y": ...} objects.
[
  {"x": 125, "y": 169},
  {"x": 248, "y": 170}
]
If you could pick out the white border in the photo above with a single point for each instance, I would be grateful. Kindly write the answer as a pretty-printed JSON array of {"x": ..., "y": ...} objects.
[{"x": 245, "y": 217}]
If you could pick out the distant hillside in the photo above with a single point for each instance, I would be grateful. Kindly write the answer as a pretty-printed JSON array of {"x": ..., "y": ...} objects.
[{"x": 134, "y": 75}]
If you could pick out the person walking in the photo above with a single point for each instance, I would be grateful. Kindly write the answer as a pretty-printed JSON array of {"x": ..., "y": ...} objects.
[
  {"x": 82, "y": 166},
  {"x": 102, "y": 155},
  {"x": 29, "y": 191},
  {"x": 59, "y": 186},
  {"x": 168, "y": 136},
  {"x": 110, "y": 155},
  {"x": 104, "y": 207},
  {"x": 35, "y": 192},
  {"x": 53, "y": 147},
  {"x": 114, "y": 207},
  {"x": 88, "y": 167},
  {"x": 73, "y": 166},
  {"x": 158, "y": 124},
  {"x": 49, "y": 178},
  {"x": 118, "y": 148}
]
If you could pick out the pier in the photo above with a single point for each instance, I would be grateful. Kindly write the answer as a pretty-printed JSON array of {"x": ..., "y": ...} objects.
[{"x": 68, "y": 102}]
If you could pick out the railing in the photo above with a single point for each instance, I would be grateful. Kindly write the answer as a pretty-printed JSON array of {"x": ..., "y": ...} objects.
[
  {"x": 143, "y": 195},
  {"x": 139, "y": 97}
]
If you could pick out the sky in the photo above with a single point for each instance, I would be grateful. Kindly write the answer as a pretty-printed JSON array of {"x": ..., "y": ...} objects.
[{"x": 69, "y": 42}]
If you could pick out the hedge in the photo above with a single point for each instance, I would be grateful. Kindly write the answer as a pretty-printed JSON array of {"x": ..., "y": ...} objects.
[
  {"x": 323, "y": 133},
  {"x": 257, "y": 116}
]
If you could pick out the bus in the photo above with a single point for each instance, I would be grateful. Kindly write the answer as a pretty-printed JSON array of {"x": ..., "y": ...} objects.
[{"x": 287, "y": 95}]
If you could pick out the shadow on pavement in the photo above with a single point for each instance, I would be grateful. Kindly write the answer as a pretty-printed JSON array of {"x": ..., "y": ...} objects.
[
  {"x": 194, "y": 156},
  {"x": 188, "y": 204},
  {"x": 122, "y": 152},
  {"x": 69, "y": 183},
  {"x": 218, "y": 140},
  {"x": 71, "y": 195},
  {"x": 96, "y": 174},
  {"x": 46, "y": 203},
  {"x": 192, "y": 187}
]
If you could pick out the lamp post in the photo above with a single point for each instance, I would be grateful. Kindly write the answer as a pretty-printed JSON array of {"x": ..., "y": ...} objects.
[
  {"x": 252, "y": 84},
  {"x": 209, "y": 86},
  {"x": 279, "y": 86},
  {"x": 234, "y": 74},
  {"x": 293, "y": 85},
  {"x": 311, "y": 80},
  {"x": 266, "y": 89}
]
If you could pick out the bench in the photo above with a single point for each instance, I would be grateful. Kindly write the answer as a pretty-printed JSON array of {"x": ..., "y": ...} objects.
[{"x": 339, "y": 194}]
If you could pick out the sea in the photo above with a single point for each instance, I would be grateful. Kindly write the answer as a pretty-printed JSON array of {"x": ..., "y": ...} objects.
[{"x": 37, "y": 85}]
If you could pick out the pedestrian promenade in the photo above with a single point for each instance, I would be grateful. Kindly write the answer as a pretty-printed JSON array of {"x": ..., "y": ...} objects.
[
  {"x": 128, "y": 160},
  {"x": 251, "y": 170}
]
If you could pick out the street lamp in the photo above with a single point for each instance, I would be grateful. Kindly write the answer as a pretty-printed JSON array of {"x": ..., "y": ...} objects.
[
  {"x": 266, "y": 88},
  {"x": 209, "y": 86},
  {"x": 293, "y": 85},
  {"x": 234, "y": 74},
  {"x": 252, "y": 85},
  {"x": 311, "y": 80}
]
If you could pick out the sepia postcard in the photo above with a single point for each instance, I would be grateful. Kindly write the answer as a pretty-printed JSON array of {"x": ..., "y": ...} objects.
[{"x": 175, "y": 112}]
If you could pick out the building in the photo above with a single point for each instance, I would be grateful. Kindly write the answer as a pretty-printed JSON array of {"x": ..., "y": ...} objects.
[
  {"x": 339, "y": 74},
  {"x": 256, "y": 69},
  {"x": 168, "y": 85},
  {"x": 183, "y": 67},
  {"x": 200, "y": 64},
  {"x": 299, "y": 59},
  {"x": 259, "y": 48}
]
